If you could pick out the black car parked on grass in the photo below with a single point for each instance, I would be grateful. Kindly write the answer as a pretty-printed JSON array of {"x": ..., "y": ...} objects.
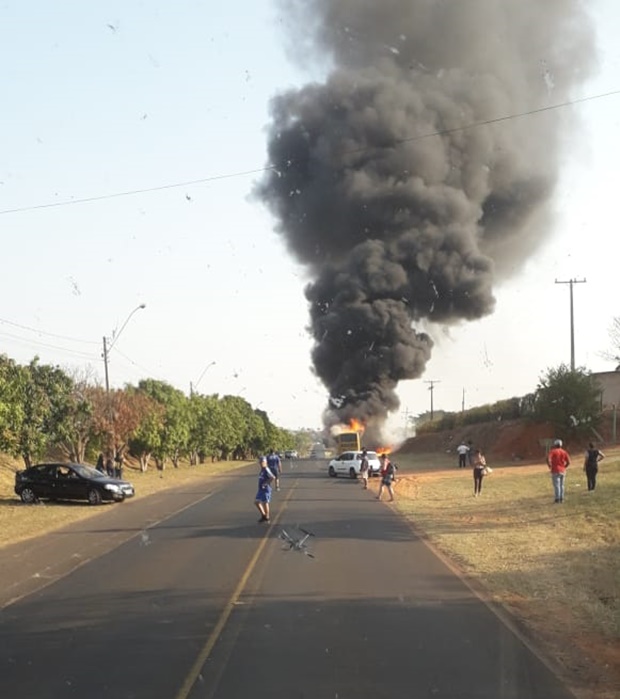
[{"x": 60, "y": 481}]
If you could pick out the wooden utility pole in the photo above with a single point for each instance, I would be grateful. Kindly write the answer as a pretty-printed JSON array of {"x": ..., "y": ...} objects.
[
  {"x": 431, "y": 388},
  {"x": 571, "y": 282}
]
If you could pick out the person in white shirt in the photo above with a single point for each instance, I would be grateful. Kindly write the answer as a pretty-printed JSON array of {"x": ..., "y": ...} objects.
[{"x": 462, "y": 450}]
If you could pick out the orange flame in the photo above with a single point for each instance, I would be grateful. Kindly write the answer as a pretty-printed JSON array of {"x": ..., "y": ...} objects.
[
  {"x": 383, "y": 450},
  {"x": 356, "y": 425}
]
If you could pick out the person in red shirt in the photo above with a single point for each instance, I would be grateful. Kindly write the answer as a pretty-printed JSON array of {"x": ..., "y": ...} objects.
[
  {"x": 388, "y": 476},
  {"x": 558, "y": 461}
]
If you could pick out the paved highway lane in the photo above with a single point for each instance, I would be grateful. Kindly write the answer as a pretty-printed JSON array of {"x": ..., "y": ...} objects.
[{"x": 208, "y": 604}]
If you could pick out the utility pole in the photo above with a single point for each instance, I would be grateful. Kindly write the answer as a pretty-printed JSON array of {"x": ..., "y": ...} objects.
[
  {"x": 431, "y": 388},
  {"x": 105, "y": 364},
  {"x": 463, "y": 401},
  {"x": 571, "y": 283},
  {"x": 106, "y": 353}
]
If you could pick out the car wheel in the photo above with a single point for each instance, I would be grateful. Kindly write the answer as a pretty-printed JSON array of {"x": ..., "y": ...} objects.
[
  {"x": 94, "y": 497},
  {"x": 332, "y": 472},
  {"x": 28, "y": 496},
  {"x": 352, "y": 472}
]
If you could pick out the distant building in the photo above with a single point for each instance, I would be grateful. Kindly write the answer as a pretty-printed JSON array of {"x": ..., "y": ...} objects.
[{"x": 609, "y": 382}]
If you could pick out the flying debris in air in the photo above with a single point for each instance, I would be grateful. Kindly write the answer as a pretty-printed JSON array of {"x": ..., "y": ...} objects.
[
  {"x": 297, "y": 543},
  {"x": 74, "y": 286}
]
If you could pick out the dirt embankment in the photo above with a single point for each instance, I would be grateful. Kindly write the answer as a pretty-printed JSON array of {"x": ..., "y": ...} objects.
[{"x": 506, "y": 440}]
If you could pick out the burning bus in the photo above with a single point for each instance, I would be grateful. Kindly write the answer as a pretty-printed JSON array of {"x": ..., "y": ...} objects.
[{"x": 349, "y": 437}]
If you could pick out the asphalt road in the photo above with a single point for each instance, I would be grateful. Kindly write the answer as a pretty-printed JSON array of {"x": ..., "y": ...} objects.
[{"x": 186, "y": 596}]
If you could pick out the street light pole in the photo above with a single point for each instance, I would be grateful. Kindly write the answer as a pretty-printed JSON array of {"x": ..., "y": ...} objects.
[
  {"x": 105, "y": 364},
  {"x": 194, "y": 386},
  {"x": 106, "y": 354},
  {"x": 107, "y": 347}
]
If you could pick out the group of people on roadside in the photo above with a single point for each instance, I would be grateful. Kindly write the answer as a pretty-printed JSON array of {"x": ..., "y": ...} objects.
[
  {"x": 558, "y": 460},
  {"x": 113, "y": 467},
  {"x": 269, "y": 475}
]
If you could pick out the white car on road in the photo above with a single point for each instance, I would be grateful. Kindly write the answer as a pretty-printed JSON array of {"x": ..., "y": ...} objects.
[{"x": 349, "y": 463}]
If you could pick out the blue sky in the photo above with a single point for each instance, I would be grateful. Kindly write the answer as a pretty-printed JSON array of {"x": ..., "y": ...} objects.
[{"x": 107, "y": 98}]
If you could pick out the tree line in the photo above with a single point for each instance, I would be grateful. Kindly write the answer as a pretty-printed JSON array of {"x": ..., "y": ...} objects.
[
  {"x": 569, "y": 399},
  {"x": 44, "y": 409}
]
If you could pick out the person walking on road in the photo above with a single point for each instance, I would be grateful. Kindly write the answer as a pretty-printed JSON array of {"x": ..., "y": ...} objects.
[
  {"x": 558, "y": 461},
  {"x": 590, "y": 464},
  {"x": 479, "y": 465},
  {"x": 388, "y": 476},
  {"x": 263, "y": 494},
  {"x": 275, "y": 466},
  {"x": 364, "y": 469},
  {"x": 462, "y": 450}
]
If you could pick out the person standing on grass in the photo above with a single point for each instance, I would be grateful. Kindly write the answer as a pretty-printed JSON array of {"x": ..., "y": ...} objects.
[
  {"x": 275, "y": 466},
  {"x": 364, "y": 469},
  {"x": 590, "y": 464},
  {"x": 462, "y": 450},
  {"x": 388, "y": 476},
  {"x": 263, "y": 494},
  {"x": 558, "y": 461},
  {"x": 479, "y": 465},
  {"x": 119, "y": 461}
]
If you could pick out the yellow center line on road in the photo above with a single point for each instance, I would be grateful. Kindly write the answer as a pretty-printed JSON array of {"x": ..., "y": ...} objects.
[{"x": 205, "y": 652}]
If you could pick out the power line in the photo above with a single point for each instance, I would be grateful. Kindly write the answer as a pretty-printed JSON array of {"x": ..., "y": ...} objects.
[
  {"x": 151, "y": 374},
  {"x": 132, "y": 192},
  {"x": 266, "y": 168},
  {"x": 43, "y": 332},
  {"x": 34, "y": 343}
]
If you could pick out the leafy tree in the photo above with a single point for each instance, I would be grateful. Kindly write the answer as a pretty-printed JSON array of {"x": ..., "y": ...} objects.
[
  {"x": 11, "y": 408},
  {"x": 568, "y": 399},
  {"x": 205, "y": 425},
  {"x": 174, "y": 435},
  {"x": 232, "y": 432},
  {"x": 146, "y": 438},
  {"x": 76, "y": 425},
  {"x": 39, "y": 394}
]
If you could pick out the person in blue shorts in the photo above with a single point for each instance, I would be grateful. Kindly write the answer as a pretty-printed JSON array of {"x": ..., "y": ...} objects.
[
  {"x": 263, "y": 494},
  {"x": 275, "y": 466}
]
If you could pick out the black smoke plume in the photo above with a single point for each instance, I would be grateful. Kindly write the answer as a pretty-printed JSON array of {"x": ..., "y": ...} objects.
[{"x": 397, "y": 182}]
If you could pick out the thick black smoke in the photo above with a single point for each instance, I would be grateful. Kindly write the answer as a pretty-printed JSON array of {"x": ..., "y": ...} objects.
[{"x": 404, "y": 208}]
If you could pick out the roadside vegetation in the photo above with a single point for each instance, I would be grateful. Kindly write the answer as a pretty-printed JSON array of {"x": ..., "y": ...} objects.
[
  {"x": 567, "y": 399},
  {"x": 45, "y": 410}
]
